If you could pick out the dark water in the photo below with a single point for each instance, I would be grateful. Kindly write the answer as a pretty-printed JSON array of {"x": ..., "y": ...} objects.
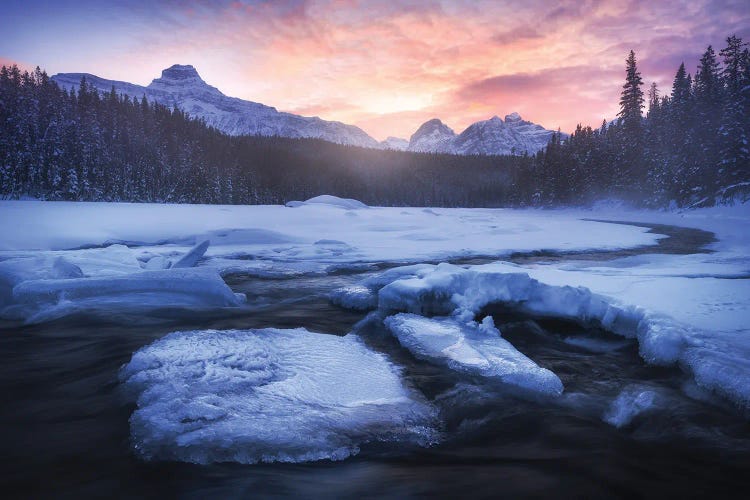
[{"x": 64, "y": 424}]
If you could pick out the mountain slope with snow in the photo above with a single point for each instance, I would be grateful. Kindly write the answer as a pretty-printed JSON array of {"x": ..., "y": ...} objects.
[
  {"x": 432, "y": 137},
  {"x": 395, "y": 143},
  {"x": 495, "y": 136},
  {"x": 181, "y": 86}
]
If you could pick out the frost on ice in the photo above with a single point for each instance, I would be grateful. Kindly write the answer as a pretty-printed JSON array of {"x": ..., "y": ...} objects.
[
  {"x": 472, "y": 348},
  {"x": 268, "y": 396}
]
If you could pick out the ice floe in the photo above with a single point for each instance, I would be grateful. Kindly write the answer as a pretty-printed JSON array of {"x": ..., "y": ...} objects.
[
  {"x": 630, "y": 403},
  {"x": 364, "y": 296},
  {"x": 472, "y": 348},
  {"x": 44, "y": 299},
  {"x": 191, "y": 258},
  {"x": 719, "y": 360},
  {"x": 268, "y": 396}
]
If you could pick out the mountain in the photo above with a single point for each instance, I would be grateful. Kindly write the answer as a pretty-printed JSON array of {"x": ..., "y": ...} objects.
[
  {"x": 495, "y": 136},
  {"x": 433, "y": 136},
  {"x": 395, "y": 143},
  {"x": 181, "y": 86}
]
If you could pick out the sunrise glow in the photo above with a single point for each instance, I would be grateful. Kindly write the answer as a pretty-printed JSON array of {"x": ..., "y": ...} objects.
[{"x": 386, "y": 66}]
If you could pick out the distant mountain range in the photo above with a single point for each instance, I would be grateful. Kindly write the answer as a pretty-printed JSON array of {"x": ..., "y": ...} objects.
[
  {"x": 181, "y": 86},
  {"x": 495, "y": 136}
]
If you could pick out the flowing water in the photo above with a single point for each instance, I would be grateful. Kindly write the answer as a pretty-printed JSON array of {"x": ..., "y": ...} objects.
[{"x": 65, "y": 431}]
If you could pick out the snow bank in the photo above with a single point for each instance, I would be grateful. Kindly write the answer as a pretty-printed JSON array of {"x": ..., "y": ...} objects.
[
  {"x": 718, "y": 360},
  {"x": 284, "y": 238},
  {"x": 327, "y": 199},
  {"x": 451, "y": 289},
  {"x": 45, "y": 299},
  {"x": 364, "y": 296},
  {"x": 267, "y": 396},
  {"x": 472, "y": 348}
]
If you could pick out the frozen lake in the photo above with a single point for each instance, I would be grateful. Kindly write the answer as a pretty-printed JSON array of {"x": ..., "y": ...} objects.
[{"x": 462, "y": 359}]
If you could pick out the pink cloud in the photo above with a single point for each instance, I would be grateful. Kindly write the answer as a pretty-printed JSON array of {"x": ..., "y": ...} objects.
[
  {"x": 388, "y": 66},
  {"x": 6, "y": 61}
]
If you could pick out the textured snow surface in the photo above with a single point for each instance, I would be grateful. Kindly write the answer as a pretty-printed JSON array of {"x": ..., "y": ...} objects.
[
  {"x": 268, "y": 396},
  {"x": 472, "y": 348},
  {"x": 692, "y": 310},
  {"x": 277, "y": 236}
]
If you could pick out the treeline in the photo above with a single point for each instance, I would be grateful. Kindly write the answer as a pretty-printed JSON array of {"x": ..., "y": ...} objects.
[
  {"x": 80, "y": 145},
  {"x": 691, "y": 147}
]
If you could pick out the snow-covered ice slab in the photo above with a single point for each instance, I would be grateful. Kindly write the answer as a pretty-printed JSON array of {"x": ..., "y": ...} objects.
[
  {"x": 718, "y": 358},
  {"x": 45, "y": 299},
  {"x": 268, "y": 396},
  {"x": 24, "y": 266},
  {"x": 472, "y": 348},
  {"x": 364, "y": 296}
]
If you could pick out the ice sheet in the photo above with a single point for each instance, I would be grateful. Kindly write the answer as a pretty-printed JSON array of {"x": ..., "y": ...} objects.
[
  {"x": 268, "y": 396},
  {"x": 472, "y": 348}
]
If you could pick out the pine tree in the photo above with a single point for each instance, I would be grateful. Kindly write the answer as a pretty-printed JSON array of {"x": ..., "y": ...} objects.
[
  {"x": 631, "y": 99},
  {"x": 734, "y": 154},
  {"x": 633, "y": 173},
  {"x": 708, "y": 95}
]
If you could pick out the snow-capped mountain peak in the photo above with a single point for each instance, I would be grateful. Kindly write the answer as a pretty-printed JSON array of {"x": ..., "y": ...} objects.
[
  {"x": 178, "y": 73},
  {"x": 513, "y": 117},
  {"x": 182, "y": 86},
  {"x": 431, "y": 137},
  {"x": 178, "y": 78},
  {"x": 495, "y": 136}
]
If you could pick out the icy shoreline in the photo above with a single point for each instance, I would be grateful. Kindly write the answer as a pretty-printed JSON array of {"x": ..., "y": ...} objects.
[{"x": 689, "y": 310}]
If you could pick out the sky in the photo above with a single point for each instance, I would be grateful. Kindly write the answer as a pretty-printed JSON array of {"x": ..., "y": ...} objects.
[{"x": 386, "y": 66}]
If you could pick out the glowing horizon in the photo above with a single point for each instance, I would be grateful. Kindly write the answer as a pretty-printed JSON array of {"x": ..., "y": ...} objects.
[{"x": 385, "y": 66}]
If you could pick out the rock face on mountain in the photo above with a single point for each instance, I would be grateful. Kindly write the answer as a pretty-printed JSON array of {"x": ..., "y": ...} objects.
[
  {"x": 495, "y": 136},
  {"x": 181, "y": 86}
]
